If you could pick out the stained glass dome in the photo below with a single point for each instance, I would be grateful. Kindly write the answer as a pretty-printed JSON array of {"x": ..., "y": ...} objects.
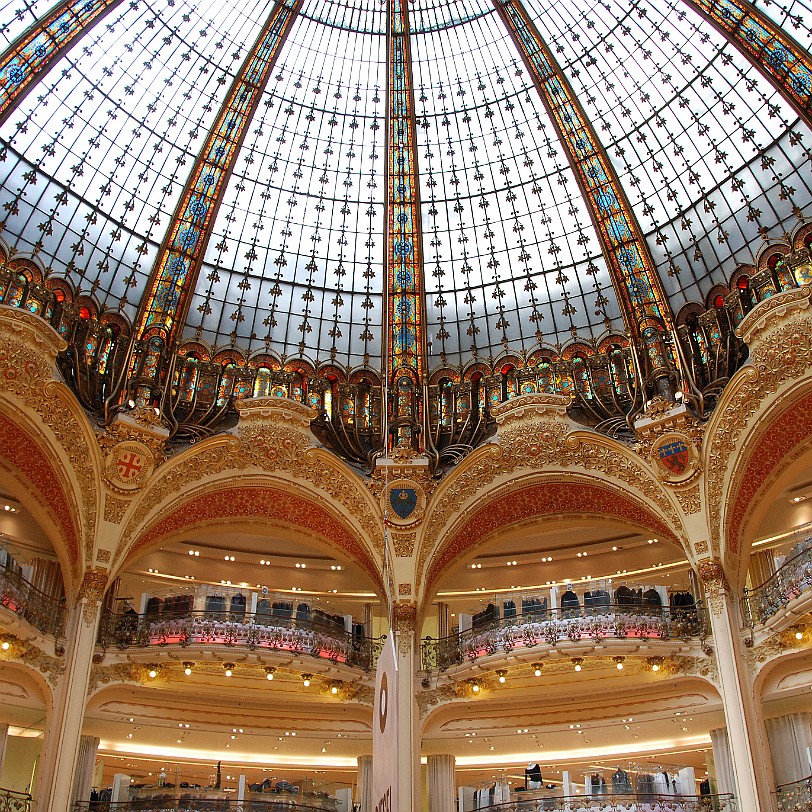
[{"x": 711, "y": 156}]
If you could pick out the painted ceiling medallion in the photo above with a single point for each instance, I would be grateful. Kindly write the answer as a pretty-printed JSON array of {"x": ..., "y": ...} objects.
[
  {"x": 129, "y": 465},
  {"x": 674, "y": 455}
]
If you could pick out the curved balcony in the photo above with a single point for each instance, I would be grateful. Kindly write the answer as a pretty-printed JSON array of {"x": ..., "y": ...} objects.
[
  {"x": 621, "y": 803},
  {"x": 11, "y": 801},
  {"x": 552, "y": 626},
  {"x": 795, "y": 797},
  {"x": 44, "y": 612},
  {"x": 239, "y": 630},
  {"x": 187, "y": 799},
  {"x": 778, "y": 593}
]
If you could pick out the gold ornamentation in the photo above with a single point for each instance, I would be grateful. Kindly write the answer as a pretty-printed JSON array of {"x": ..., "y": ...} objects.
[
  {"x": 103, "y": 556},
  {"x": 31, "y": 655},
  {"x": 91, "y": 592},
  {"x": 715, "y": 584},
  {"x": 404, "y": 544},
  {"x": 690, "y": 500},
  {"x": 781, "y": 351},
  {"x": 404, "y": 620},
  {"x": 28, "y": 350},
  {"x": 101, "y": 675},
  {"x": 701, "y": 547},
  {"x": 538, "y": 445},
  {"x": 114, "y": 509},
  {"x": 404, "y": 589}
]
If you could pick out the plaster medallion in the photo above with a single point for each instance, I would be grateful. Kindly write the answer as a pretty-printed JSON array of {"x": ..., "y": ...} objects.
[{"x": 129, "y": 465}]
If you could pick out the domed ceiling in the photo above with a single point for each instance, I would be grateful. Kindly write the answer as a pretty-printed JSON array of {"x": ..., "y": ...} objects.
[{"x": 95, "y": 160}]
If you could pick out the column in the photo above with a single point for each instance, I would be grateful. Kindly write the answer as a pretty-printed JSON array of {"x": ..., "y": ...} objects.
[
  {"x": 442, "y": 785},
  {"x": 443, "y": 620},
  {"x": 60, "y": 747},
  {"x": 364, "y": 794},
  {"x": 85, "y": 762},
  {"x": 3, "y": 740},
  {"x": 790, "y": 740},
  {"x": 747, "y": 736},
  {"x": 404, "y": 615}
]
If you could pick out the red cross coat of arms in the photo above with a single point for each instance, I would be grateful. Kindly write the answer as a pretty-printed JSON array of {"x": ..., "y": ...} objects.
[{"x": 129, "y": 465}]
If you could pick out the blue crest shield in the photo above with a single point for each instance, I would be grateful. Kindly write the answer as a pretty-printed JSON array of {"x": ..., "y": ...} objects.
[{"x": 403, "y": 501}]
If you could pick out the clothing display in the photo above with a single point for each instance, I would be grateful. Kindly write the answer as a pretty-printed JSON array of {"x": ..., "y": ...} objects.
[
  {"x": 595, "y": 784},
  {"x": 652, "y": 599},
  {"x": 621, "y": 783},
  {"x": 597, "y": 599},
  {"x": 646, "y": 786},
  {"x": 569, "y": 602},
  {"x": 534, "y": 608},
  {"x": 532, "y": 776},
  {"x": 238, "y": 606}
]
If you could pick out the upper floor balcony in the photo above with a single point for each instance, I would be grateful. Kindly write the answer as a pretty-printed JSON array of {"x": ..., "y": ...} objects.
[
  {"x": 18, "y": 595},
  {"x": 539, "y": 627},
  {"x": 785, "y": 594},
  {"x": 297, "y": 632}
]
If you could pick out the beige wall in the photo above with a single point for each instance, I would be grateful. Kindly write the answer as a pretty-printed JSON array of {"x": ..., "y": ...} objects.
[{"x": 18, "y": 765}]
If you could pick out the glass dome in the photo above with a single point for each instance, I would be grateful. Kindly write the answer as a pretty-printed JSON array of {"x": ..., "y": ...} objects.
[{"x": 95, "y": 160}]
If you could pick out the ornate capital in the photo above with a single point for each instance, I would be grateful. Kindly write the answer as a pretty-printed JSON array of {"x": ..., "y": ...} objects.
[
  {"x": 91, "y": 592},
  {"x": 404, "y": 621},
  {"x": 715, "y": 582}
]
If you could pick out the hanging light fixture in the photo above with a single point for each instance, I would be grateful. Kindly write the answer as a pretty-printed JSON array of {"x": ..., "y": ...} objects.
[
  {"x": 269, "y": 671},
  {"x": 502, "y": 676},
  {"x": 537, "y": 669},
  {"x": 475, "y": 687},
  {"x": 187, "y": 668},
  {"x": 577, "y": 662},
  {"x": 229, "y": 668},
  {"x": 306, "y": 680},
  {"x": 618, "y": 661}
]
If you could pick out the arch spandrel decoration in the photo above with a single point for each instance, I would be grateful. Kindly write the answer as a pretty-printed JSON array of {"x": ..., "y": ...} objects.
[
  {"x": 785, "y": 438},
  {"x": 29, "y": 461},
  {"x": 534, "y": 440},
  {"x": 223, "y": 506},
  {"x": 565, "y": 496},
  {"x": 779, "y": 333},
  {"x": 28, "y": 350}
]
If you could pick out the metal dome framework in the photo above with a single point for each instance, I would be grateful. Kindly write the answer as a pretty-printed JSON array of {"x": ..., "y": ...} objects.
[{"x": 458, "y": 201}]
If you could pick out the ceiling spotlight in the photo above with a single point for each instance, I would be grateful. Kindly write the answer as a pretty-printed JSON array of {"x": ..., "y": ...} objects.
[
  {"x": 187, "y": 668},
  {"x": 655, "y": 663},
  {"x": 537, "y": 669},
  {"x": 577, "y": 662},
  {"x": 475, "y": 687},
  {"x": 334, "y": 688},
  {"x": 270, "y": 671},
  {"x": 618, "y": 661},
  {"x": 501, "y": 675},
  {"x": 5, "y": 645},
  {"x": 229, "y": 667},
  {"x": 798, "y": 636},
  {"x": 153, "y": 671},
  {"x": 306, "y": 680}
]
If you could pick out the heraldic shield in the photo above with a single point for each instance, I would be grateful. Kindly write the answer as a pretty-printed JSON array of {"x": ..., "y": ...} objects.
[
  {"x": 675, "y": 456},
  {"x": 403, "y": 501}
]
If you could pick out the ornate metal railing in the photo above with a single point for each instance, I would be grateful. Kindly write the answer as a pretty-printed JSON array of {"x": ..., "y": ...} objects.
[
  {"x": 42, "y": 611},
  {"x": 788, "y": 583},
  {"x": 795, "y": 797},
  {"x": 194, "y": 391},
  {"x": 251, "y": 631},
  {"x": 621, "y": 803},
  {"x": 168, "y": 799},
  {"x": 549, "y": 627},
  {"x": 11, "y": 801}
]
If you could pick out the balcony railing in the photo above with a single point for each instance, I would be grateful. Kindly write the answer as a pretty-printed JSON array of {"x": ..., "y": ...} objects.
[
  {"x": 42, "y": 611},
  {"x": 189, "y": 801},
  {"x": 622, "y": 803},
  {"x": 11, "y": 801},
  {"x": 234, "y": 629},
  {"x": 795, "y": 797},
  {"x": 551, "y": 626},
  {"x": 788, "y": 583}
]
